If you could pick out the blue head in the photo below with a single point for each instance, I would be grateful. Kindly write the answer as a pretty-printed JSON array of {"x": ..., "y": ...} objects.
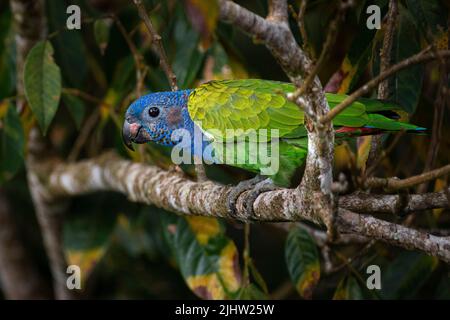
[{"x": 155, "y": 116}]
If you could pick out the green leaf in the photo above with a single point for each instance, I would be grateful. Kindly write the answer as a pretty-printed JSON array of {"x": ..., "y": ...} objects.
[
  {"x": 302, "y": 260},
  {"x": 11, "y": 144},
  {"x": 42, "y": 79},
  {"x": 208, "y": 260},
  {"x": 76, "y": 108},
  {"x": 407, "y": 84},
  {"x": 102, "y": 30},
  {"x": 348, "y": 289},
  {"x": 406, "y": 275}
]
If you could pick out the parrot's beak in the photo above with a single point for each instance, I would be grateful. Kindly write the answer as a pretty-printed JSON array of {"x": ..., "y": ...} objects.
[
  {"x": 126, "y": 135},
  {"x": 134, "y": 132},
  {"x": 129, "y": 133}
]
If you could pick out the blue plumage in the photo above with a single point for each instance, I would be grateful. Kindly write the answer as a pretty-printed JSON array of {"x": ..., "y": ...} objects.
[{"x": 158, "y": 115}]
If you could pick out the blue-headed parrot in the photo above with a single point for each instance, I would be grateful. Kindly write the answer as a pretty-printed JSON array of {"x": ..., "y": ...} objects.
[{"x": 241, "y": 106}]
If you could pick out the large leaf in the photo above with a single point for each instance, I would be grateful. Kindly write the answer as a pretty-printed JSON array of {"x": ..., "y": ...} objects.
[
  {"x": 406, "y": 275},
  {"x": 302, "y": 260},
  {"x": 207, "y": 259},
  {"x": 12, "y": 142},
  {"x": 42, "y": 79}
]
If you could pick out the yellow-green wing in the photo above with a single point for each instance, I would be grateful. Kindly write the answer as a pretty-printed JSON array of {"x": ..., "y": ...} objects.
[{"x": 249, "y": 104}]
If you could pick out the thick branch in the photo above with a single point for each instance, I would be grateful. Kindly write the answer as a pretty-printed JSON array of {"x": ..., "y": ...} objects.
[
  {"x": 31, "y": 26},
  {"x": 278, "y": 38},
  {"x": 278, "y": 11},
  {"x": 172, "y": 191},
  {"x": 405, "y": 237}
]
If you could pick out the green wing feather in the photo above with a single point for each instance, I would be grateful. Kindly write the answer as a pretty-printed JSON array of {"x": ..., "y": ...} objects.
[
  {"x": 261, "y": 104},
  {"x": 244, "y": 104}
]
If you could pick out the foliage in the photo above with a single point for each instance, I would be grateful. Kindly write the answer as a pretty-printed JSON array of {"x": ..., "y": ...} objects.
[{"x": 78, "y": 77}]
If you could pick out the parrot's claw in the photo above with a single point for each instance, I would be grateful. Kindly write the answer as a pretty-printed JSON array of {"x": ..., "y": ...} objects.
[
  {"x": 255, "y": 186},
  {"x": 261, "y": 187}
]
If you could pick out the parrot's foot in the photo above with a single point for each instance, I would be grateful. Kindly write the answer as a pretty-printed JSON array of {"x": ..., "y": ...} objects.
[
  {"x": 237, "y": 190},
  {"x": 255, "y": 186},
  {"x": 261, "y": 187}
]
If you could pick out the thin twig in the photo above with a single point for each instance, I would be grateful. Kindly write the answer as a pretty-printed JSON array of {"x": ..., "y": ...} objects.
[
  {"x": 397, "y": 184},
  {"x": 246, "y": 272},
  {"x": 83, "y": 95},
  {"x": 157, "y": 46},
  {"x": 301, "y": 23},
  {"x": 84, "y": 135},
  {"x": 420, "y": 57},
  {"x": 138, "y": 59},
  {"x": 330, "y": 40},
  {"x": 439, "y": 111},
  {"x": 383, "y": 87},
  {"x": 348, "y": 261}
]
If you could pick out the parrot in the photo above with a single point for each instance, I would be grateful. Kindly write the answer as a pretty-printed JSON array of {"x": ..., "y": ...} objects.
[{"x": 216, "y": 108}]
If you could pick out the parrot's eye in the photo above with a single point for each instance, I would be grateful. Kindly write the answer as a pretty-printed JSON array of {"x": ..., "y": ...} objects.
[{"x": 153, "y": 112}]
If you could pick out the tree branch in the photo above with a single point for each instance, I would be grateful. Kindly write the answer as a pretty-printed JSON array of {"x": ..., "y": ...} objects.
[
  {"x": 385, "y": 54},
  {"x": 315, "y": 186},
  {"x": 276, "y": 36},
  {"x": 404, "y": 237},
  {"x": 157, "y": 45},
  {"x": 383, "y": 87},
  {"x": 420, "y": 57},
  {"x": 31, "y": 26},
  {"x": 278, "y": 11},
  {"x": 171, "y": 190},
  {"x": 392, "y": 184},
  {"x": 329, "y": 41}
]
